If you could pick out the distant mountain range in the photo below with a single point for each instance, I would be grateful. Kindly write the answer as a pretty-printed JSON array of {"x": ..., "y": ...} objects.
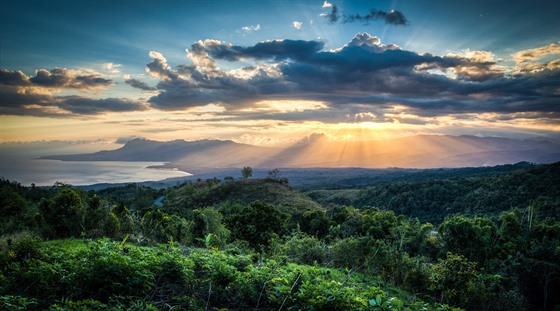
[{"x": 317, "y": 150}]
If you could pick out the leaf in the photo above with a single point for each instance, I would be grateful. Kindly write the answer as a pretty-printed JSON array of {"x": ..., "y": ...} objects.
[{"x": 378, "y": 299}]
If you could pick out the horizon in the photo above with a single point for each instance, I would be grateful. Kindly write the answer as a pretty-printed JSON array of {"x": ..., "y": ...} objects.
[
  {"x": 219, "y": 70},
  {"x": 77, "y": 163}
]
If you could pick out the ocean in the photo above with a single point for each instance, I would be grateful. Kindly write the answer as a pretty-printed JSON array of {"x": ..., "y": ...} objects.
[
  {"x": 19, "y": 162},
  {"x": 77, "y": 173}
]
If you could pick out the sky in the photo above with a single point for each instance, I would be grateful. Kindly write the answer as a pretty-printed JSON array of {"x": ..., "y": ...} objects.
[{"x": 272, "y": 72}]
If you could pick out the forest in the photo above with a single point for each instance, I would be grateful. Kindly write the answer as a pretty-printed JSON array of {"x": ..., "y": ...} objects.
[{"x": 486, "y": 240}]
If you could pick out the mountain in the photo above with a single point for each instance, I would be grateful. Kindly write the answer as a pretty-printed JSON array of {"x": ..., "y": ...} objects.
[
  {"x": 421, "y": 151},
  {"x": 318, "y": 150},
  {"x": 200, "y": 153}
]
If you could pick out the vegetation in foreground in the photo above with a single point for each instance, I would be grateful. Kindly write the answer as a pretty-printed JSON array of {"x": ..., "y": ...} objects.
[
  {"x": 257, "y": 244},
  {"x": 102, "y": 274}
]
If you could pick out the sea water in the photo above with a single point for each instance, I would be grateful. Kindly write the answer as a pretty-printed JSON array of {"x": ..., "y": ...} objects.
[
  {"x": 46, "y": 172},
  {"x": 19, "y": 162}
]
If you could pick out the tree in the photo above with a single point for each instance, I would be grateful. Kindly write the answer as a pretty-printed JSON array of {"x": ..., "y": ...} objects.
[
  {"x": 159, "y": 226},
  {"x": 257, "y": 223},
  {"x": 453, "y": 278},
  {"x": 247, "y": 172},
  {"x": 64, "y": 213},
  {"x": 11, "y": 203},
  {"x": 274, "y": 174},
  {"x": 125, "y": 218},
  {"x": 13, "y": 210},
  {"x": 473, "y": 238}
]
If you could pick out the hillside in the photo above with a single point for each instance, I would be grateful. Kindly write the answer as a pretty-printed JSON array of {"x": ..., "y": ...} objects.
[
  {"x": 244, "y": 191},
  {"x": 431, "y": 199}
]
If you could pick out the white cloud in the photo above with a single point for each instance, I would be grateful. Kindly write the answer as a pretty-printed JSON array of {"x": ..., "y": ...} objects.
[
  {"x": 537, "y": 59},
  {"x": 256, "y": 27},
  {"x": 111, "y": 67},
  {"x": 297, "y": 25},
  {"x": 327, "y": 4},
  {"x": 536, "y": 53}
]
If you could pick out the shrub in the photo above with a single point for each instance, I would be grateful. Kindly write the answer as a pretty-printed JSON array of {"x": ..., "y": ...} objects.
[{"x": 304, "y": 249}]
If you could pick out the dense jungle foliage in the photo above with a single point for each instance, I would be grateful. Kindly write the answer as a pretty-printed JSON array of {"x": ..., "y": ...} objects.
[{"x": 477, "y": 242}]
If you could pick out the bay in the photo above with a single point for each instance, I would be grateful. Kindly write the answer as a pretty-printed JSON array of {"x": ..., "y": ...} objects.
[{"x": 46, "y": 172}]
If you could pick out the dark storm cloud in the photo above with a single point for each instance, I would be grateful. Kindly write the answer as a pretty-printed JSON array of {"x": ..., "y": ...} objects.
[
  {"x": 139, "y": 85},
  {"x": 393, "y": 17}
]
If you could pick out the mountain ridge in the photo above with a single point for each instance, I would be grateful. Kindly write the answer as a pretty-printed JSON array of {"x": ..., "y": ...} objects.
[{"x": 317, "y": 150}]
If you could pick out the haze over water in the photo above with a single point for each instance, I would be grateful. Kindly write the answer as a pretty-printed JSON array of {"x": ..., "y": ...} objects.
[{"x": 19, "y": 163}]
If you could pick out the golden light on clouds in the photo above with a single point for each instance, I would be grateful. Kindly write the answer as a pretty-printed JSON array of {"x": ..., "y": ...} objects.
[
  {"x": 286, "y": 105},
  {"x": 212, "y": 122}
]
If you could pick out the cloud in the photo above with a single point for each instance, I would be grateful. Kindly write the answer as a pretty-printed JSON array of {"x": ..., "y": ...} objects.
[
  {"x": 256, "y": 27},
  {"x": 139, "y": 85},
  {"x": 58, "y": 78},
  {"x": 393, "y": 17},
  {"x": 537, "y": 59},
  {"x": 297, "y": 25},
  {"x": 27, "y": 101},
  {"x": 8, "y": 77},
  {"x": 368, "y": 42},
  {"x": 476, "y": 66},
  {"x": 24, "y": 95},
  {"x": 536, "y": 53},
  {"x": 64, "y": 78},
  {"x": 88, "y": 106},
  {"x": 333, "y": 16},
  {"x": 111, "y": 67},
  {"x": 274, "y": 50},
  {"x": 364, "y": 79},
  {"x": 159, "y": 68},
  {"x": 363, "y": 76}
]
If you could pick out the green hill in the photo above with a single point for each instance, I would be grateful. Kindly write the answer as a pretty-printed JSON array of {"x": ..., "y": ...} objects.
[
  {"x": 484, "y": 195},
  {"x": 212, "y": 192}
]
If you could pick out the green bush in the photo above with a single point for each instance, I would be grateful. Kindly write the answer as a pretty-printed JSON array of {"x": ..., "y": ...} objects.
[
  {"x": 10, "y": 302},
  {"x": 304, "y": 249},
  {"x": 350, "y": 252},
  {"x": 158, "y": 226},
  {"x": 20, "y": 246}
]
